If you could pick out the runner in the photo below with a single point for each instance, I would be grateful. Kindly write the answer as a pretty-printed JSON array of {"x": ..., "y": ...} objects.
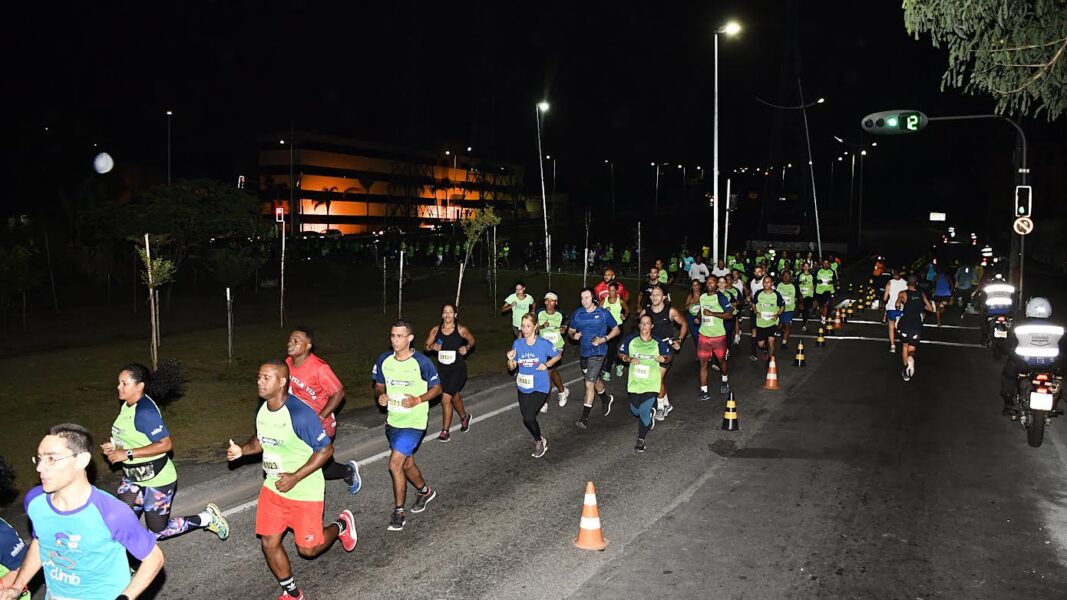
[
  {"x": 665, "y": 279},
  {"x": 911, "y": 303},
  {"x": 720, "y": 269},
  {"x": 768, "y": 306},
  {"x": 943, "y": 290},
  {"x": 893, "y": 288},
  {"x": 12, "y": 548},
  {"x": 519, "y": 304},
  {"x": 405, "y": 381},
  {"x": 593, "y": 327},
  {"x": 314, "y": 383},
  {"x": 825, "y": 286},
  {"x": 806, "y": 283},
  {"x": 295, "y": 448},
  {"x": 698, "y": 271},
  {"x": 692, "y": 306},
  {"x": 601, "y": 289},
  {"x": 789, "y": 293},
  {"x": 664, "y": 317},
  {"x": 711, "y": 342},
  {"x": 532, "y": 357},
  {"x": 734, "y": 295},
  {"x": 644, "y": 299},
  {"x": 618, "y": 308},
  {"x": 91, "y": 563},
  {"x": 552, "y": 325},
  {"x": 647, "y": 358},
  {"x": 452, "y": 342},
  {"x": 755, "y": 286},
  {"x": 140, "y": 443}
]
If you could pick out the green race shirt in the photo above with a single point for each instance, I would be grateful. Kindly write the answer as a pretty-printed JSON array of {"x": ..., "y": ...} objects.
[
  {"x": 614, "y": 309},
  {"x": 767, "y": 304},
  {"x": 137, "y": 426},
  {"x": 412, "y": 376},
  {"x": 825, "y": 281},
  {"x": 644, "y": 377},
  {"x": 789, "y": 294},
  {"x": 518, "y": 308},
  {"x": 550, "y": 326},
  {"x": 712, "y": 326},
  {"x": 807, "y": 285},
  {"x": 663, "y": 276},
  {"x": 289, "y": 436}
]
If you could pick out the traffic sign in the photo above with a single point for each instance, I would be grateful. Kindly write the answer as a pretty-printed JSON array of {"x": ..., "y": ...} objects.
[
  {"x": 894, "y": 122},
  {"x": 1023, "y": 225}
]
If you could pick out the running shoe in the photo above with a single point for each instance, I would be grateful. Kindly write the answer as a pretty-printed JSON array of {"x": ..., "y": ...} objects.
[
  {"x": 421, "y": 500},
  {"x": 465, "y": 423},
  {"x": 218, "y": 525},
  {"x": 607, "y": 405},
  {"x": 911, "y": 366},
  {"x": 803, "y": 327},
  {"x": 444, "y": 436},
  {"x": 905, "y": 375},
  {"x": 348, "y": 536},
  {"x": 716, "y": 367},
  {"x": 540, "y": 447},
  {"x": 893, "y": 349},
  {"x": 563, "y": 396},
  {"x": 639, "y": 446},
  {"x": 606, "y": 376},
  {"x": 652, "y": 418},
  {"x": 724, "y": 388},
  {"x": 667, "y": 408},
  {"x": 705, "y": 396},
  {"x": 285, "y": 596},
  {"x": 659, "y": 414},
  {"x": 396, "y": 522},
  {"x": 618, "y": 370},
  {"x": 753, "y": 357},
  {"x": 582, "y": 423},
  {"x": 354, "y": 481},
  {"x": 544, "y": 408}
]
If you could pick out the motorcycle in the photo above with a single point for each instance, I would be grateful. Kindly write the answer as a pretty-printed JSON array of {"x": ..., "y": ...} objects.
[
  {"x": 998, "y": 328},
  {"x": 1036, "y": 402}
]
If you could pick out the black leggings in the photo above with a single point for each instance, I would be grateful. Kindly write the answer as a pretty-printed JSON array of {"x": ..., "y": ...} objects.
[{"x": 530, "y": 404}]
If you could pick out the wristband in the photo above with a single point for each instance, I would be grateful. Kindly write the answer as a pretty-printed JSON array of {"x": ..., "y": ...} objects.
[{"x": 129, "y": 454}]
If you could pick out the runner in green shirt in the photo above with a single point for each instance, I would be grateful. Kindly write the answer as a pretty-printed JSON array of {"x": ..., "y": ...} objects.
[
  {"x": 295, "y": 447},
  {"x": 825, "y": 286},
  {"x": 644, "y": 355},
  {"x": 614, "y": 304},
  {"x": 519, "y": 303},
  {"x": 711, "y": 337},
  {"x": 768, "y": 306},
  {"x": 405, "y": 381},
  {"x": 552, "y": 325},
  {"x": 789, "y": 292},
  {"x": 806, "y": 283}
]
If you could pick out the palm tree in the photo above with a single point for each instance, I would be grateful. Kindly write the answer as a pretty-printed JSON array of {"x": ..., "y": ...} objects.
[{"x": 327, "y": 199}]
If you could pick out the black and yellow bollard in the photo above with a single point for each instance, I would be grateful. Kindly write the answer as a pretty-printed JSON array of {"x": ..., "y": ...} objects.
[
  {"x": 820, "y": 341},
  {"x": 848, "y": 314},
  {"x": 829, "y": 327},
  {"x": 798, "y": 360},
  {"x": 729, "y": 417}
]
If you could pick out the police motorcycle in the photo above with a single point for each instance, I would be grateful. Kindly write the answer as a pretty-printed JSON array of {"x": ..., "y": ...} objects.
[
  {"x": 996, "y": 329},
  {"x": 1039, "y": 384}
]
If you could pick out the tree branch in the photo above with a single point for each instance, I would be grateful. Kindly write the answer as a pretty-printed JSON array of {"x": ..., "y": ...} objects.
[{"x": 1030, "y": 47}]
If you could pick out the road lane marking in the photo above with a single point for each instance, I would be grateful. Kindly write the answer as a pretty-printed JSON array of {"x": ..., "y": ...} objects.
[
  {"x": 934, "y": 325},
  {"x": 806, "y": 336}
]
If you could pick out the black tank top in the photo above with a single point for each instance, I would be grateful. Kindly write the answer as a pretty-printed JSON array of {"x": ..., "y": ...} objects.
[
  {"x": 450, "y": 342},
  {"x": 913, "y": 306},
  {"x": 662, "y": 328}
]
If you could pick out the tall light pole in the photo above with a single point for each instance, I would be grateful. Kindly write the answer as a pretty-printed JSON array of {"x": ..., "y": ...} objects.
[
  {"x": 861, "y": 150},
  {"x": 611, "y": 167},
  {"x": 169, "y": 115},
  {"x": 731, "y": 28},
  {"x": 541, "y": 108},
  {"x": 682, "y": 167}
]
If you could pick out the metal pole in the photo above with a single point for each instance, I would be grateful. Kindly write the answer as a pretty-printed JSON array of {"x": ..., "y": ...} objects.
[
  {"x": 385, "y": 281},
  {"x": 726, "y": 234},
  {"x": 281, "y": 278},
  {"x": 859, "y": 209},
  {"x": 811, "y": 170},
  {"x": 612, "y": 165},
  {"x": 639, "y": 275},
  {"x": 544, "y": 200},
  {"x": 585, "y": 256},
  {"x": 851, "y": 191},
  {"x": 168, "y": 147},
  {"x": 656, "y": 204},
  {"x": 400, "y": 288},
  {"x": 715, "y": 164}
]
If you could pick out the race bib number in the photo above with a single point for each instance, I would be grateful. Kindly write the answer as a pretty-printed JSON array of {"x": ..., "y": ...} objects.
[
  {"x": 641, "y": 371},
  {"x": 446, "y": 357},
  {"x": 396, "y": 403},
  {"x": 525, "y": 381},
  {"x": 787, "y": 299},
  {"x": 272, "y": 465},
  {"x": 706, "y": 321},
  {"x": 550, "y": 335},
  {"x": 770, "y": 316},
  {"x": 825, "y": 281}
]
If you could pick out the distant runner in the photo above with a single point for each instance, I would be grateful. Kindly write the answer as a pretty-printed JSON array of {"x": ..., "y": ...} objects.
[{"x": 519, "y": 304}]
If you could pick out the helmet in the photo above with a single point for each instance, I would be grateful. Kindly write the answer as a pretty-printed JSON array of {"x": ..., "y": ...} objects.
[{"x": 1038, "y": 308}]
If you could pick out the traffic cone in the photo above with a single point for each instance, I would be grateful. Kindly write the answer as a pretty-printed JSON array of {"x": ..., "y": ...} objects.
[
  {"x": 830, "y": 327},
  {"x": 820, "y": 341},
  {"x": 848, "y": 314},
  {"x": 729, "y": 417},
  {"x": 771, "y": 383},
  {"x": 798, "y": 361},
  {"x": 837, "y": 319},
  {"x": 590, "y": 535}
]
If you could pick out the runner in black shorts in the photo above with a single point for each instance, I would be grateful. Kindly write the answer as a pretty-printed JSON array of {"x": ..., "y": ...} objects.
[
  {"x": 451, "y": 341},
  {"x": 911, "y": 303}
]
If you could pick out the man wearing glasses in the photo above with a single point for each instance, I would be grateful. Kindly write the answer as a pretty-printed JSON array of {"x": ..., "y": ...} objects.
[{"x": 81, "y": 534}]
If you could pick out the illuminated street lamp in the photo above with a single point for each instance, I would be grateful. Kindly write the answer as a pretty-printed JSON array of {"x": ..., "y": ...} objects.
[
  {"x": 542, "y": 107},
  {"x": 731, "y": 28}
]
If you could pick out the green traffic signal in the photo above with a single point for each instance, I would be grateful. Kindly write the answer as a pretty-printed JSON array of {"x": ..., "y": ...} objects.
[
  {"x": 894, "y": 122},
  {"x": 891, "y": 121}
]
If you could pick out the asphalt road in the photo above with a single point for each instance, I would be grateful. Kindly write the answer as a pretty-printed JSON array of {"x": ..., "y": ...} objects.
[{"x": 846, "y": 483}]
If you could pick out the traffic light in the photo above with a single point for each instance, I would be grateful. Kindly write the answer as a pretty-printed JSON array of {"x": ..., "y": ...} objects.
[
  {"x": 1023, "y": 200},
  {"x": 894, "y": 121}
]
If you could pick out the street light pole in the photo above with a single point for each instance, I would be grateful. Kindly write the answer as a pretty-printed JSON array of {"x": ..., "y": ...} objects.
[
  {"x": 656, "y": 203},
  {"x": 540, "y": 109},
  {"x": 611, "y": 166},
  {"x": 730, "y": 28},
  {"x": 169, "y": 115}
]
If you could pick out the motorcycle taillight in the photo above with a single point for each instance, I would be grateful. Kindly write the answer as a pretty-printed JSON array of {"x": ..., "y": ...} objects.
[{"x": 1041, "y": 377}]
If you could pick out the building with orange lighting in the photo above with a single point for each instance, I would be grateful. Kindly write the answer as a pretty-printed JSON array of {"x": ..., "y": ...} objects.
[{"x": 359, "y": 187}]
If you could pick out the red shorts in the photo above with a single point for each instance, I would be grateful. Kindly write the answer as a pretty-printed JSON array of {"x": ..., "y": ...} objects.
[
  {"x": 277, "y": 513},
  {"x": 711, "y": 346}
]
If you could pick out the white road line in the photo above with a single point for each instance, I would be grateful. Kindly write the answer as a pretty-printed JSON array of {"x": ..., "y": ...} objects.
[
  {"x": 875, "y": 339},
  {"x": 934, "y": 325},
  {"x": 386, "y": 453}
]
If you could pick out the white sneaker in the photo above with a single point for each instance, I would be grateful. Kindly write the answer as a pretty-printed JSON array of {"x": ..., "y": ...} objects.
[
  {"x": 544, "y": 407},
  {"x": 667, "y": 408},
  {"x": 911, "y": 366},
  {"x": 893, "y": 349},
  {"x": 660, "y": 415},
  {"x": 563, "y": 396}
]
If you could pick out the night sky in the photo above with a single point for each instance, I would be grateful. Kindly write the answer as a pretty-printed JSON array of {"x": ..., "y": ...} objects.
[{"x": 630, "y": 82}]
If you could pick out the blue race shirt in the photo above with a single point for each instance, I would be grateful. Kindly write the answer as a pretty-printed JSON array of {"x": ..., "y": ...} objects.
[
  {"x": 942, "y": 287},
  {"x": 83, "y": 551},
  {"x": 596, "y": 323},
  {"x": 12, "y": 548},
  {"x": 528, "y": 357}
]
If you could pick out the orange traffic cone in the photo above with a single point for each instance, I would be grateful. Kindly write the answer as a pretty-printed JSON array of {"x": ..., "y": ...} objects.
[
  {"x": 771, "y": 382},
  {"x": 590, "y": 535},
  {"x": 729, "y": 416},
  {"x": 837, "y": 319}
]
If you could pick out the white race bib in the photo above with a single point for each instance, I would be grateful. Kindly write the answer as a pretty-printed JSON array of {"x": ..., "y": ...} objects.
[
  {"x": 446, "y": 357},
  {"x": 706, "y": 321},
  {"x": 551, "y": 335},
  {"x": 272, "y": 464},
  {"x": 640, "y": 371},
  {"x": 396, "y": 403},
  {"x": 769, "y": 316},
  {"x": 788, "y": 299},
  {"x": 525, "y": 381}
]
